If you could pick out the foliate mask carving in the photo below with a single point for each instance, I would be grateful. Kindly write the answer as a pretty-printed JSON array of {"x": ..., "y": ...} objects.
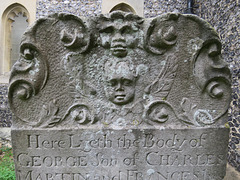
[
  {"x": 119, "y": 33},
  {"x": 119, "y": 70}
]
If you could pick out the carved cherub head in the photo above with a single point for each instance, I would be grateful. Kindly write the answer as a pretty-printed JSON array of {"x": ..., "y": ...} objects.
[
  {"x": 119, "y": 32},
  {"x": 120, "y": 83}
]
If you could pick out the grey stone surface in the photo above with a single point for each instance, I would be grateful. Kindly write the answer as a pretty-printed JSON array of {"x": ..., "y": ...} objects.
[
  {"x": 121, "y": 74},
  {"x": 222, "y": 15},
  {"x": 121, "y": 154},
  {"x": 5, "y": 112},
  {"x": 110, "y": 69}
]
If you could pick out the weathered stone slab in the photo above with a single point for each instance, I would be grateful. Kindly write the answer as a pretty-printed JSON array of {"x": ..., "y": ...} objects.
[
  {"x": 142, "y": 98},
  {"x": 131, "y": 154}
]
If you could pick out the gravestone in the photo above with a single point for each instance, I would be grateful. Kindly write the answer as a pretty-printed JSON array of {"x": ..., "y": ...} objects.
[{"x": 119, "y": 97}]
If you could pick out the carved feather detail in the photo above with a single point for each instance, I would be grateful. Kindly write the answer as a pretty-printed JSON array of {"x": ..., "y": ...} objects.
[
  {"x": 48, "y": 116},
  {"x": 161, "y": 86}
]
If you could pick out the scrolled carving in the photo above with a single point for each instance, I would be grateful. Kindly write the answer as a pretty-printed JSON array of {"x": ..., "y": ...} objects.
[
  {"x": 118, "y": 70},
  {"x": 29, "y": 74},
  {"x": 203, "y": 117},
  {"x": 77, "y": 37},
  {"x": 212, "y": 77},
  {"x": 193, "y": 115},
  {"x": 72, "y": 41},
  {"x": 210, "y": 70},
  {"x": 24, "y": 89},
  {"x": 28, "y": 54},
  {"x": 161, "y": 34},
  {"x": 80, "y": 114},
  {"x": 158, "y": 112},
  {"x": 214, "y": 90}
]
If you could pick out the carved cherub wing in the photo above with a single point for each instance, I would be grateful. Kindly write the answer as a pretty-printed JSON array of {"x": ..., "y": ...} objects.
[{"x": 161, "y": 86}]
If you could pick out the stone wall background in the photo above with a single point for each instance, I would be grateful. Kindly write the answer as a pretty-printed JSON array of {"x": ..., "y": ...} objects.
[
  {"x": 77, "y": 7},
  {"x": 5, "y": 112},
  {"x": 224, "y": 16}
]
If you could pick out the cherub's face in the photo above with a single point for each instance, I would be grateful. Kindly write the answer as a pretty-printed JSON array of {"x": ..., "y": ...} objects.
[
  {"x": 120, "y": 87},
  {"x": 118, "y": 36}
]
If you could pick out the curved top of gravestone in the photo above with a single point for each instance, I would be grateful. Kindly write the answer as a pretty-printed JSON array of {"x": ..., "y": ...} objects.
[{"x": 120, "y": 70}]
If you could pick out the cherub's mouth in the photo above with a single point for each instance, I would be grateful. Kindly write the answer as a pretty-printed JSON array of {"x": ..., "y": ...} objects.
[
  {"x": 119, "y": 47},
  {"x": 119, "y": 50},
  {"x": 120, "y": 97}
]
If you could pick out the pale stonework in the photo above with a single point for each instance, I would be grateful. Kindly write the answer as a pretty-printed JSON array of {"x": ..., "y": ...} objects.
[
  {"x": 8, "y": 11},
  {"x": 136, "y": 5},
  {"x": 120, "y": 155}
]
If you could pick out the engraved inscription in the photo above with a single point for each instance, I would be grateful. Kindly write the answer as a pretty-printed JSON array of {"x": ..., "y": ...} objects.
[{"x": 120, "y": 155}]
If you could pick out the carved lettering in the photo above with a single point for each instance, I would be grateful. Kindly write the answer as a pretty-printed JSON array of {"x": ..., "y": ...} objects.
[
  {"x": 101, "y": 160},
  {"x": 175, "y": 143},
  {"x": 130, "y": 174}
]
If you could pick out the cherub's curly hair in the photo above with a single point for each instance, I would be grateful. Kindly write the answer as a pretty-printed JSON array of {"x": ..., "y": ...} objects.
[{"x": 135, "y": 19}]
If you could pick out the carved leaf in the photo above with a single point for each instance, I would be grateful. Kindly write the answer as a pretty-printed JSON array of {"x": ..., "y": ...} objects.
[
  {"x": 78, "y": 88},
  {"x": 163, "y": 83},
  {"x": 186, "y": 105},
  {"x": 185, "y": 119},
  {"x": 189, "y": 109},
  {"x": 48, "y": 117},
  {"x": 74, "y": 73}
]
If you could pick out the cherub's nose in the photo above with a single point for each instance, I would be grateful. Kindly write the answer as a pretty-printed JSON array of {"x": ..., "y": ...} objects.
[
  {"x": 119, "y": 87},
  {"x": 118, "y": 36}
]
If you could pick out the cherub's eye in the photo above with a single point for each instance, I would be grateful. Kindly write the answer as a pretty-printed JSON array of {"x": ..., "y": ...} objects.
[
  {"x": 127, "y": 82},
  {"x": 113, "y": 82},
  {"x": 126, "y": 30},
  {"x": 107, "y": 30}
]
